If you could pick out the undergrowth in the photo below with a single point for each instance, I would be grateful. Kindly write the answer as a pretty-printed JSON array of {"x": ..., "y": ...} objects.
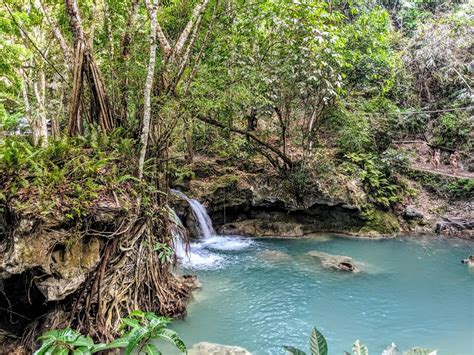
[{"x": 65, "y": 176}]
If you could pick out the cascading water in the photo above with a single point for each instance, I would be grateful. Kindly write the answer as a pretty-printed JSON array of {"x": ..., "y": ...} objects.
[
  {"x": 199, "y": 254},
  {"x": 199, "y": 211}
]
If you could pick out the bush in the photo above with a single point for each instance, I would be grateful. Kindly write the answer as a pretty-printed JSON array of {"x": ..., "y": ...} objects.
[
  {"x": 139, "y": 329},
  {"x": 453, "y": 130}
]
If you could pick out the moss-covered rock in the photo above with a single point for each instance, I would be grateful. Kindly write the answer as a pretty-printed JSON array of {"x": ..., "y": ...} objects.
[{"x": 380, "y": 223}]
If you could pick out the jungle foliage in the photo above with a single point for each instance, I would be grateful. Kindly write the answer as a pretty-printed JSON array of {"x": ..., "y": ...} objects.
[{"x": 114, "y": 98}]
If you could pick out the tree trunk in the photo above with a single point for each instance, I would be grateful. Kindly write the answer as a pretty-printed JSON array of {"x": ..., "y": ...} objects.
[
  {"x": 153, "y": 9},
  {"x": 41, "y": 122},
  {"x": 126, "y": 41},
  {"x": 28, "y": 115},
  {"x": 56, "y": 32},
  {"x": 188, "y": 136},
  {"x": 84, "y": 65}
]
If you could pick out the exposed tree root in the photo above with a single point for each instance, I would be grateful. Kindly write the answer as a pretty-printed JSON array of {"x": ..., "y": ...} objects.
[{"x": 130, "y": 276}]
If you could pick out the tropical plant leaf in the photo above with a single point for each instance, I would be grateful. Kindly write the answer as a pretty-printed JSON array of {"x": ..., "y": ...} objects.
[
  {"x": 317, "y": 343},
  {"x": 137, "y": 313},
  {"x": 44, "y": 346},
  {"x": 131, "y": 322},
  {"x": 294, "y": 351},
  {"x": 359, "y": 349},
  {"x": 172, "y": 337},
  {"x": 121, "y": 342},
  {"x": 82, "y": 350},
  {"x": 151, "y": 349},
  {"x": 85, "y": 341},
  {"x": 135, "y": 337},
  {"x": 62, "y": 351}
]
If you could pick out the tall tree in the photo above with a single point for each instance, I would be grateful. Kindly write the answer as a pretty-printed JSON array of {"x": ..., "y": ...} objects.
[
  {"x": 85, "y": 66},
  {"x": 152, "y": 9}
]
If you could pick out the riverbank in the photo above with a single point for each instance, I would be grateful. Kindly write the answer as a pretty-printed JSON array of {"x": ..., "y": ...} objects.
[{"x": 251, "y": 200}]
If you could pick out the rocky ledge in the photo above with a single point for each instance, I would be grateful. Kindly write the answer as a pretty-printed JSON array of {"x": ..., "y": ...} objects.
[{"x": 263, "y": 206}]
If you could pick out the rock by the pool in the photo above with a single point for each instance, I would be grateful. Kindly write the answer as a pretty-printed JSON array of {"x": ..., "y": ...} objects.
[
  {"x": 336, "y": 262},
  {"x": 412, "y": 213},
  {"x": 205, "y": 348}
]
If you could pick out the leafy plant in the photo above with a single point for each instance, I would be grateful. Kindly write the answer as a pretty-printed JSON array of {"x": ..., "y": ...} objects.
[
  {"x": 67, "y": 341},
  {"x": 140, "y": 328},
  {"x": 378, "y": 182},
  {"x": 165, "y": 252},
  {"x": 317, "y": 345},
  {"x": 358, "y": 349}
]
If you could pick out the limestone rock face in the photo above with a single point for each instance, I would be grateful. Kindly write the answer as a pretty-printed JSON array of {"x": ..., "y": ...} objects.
[
  {"x": 205, "y": 348},
  {"x": 63, "y": 260},
  {"x": 336, "y": 262},
  {"x": 57, "y": 257},
  {"x": 262, "y": 205}
]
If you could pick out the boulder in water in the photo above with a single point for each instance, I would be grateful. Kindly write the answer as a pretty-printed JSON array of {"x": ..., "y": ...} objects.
[
  {"x": 205, "y": 348},
  {"x": 337, "y": 262}
]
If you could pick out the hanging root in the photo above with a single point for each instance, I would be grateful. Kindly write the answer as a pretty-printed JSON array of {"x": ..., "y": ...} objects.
[{"x": 130, "y": 276}]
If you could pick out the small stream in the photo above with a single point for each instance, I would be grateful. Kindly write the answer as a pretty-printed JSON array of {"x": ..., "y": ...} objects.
[{"x": 264, "y": 293}]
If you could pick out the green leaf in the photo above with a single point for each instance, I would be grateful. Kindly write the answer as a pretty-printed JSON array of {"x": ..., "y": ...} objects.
[
  {"x": 359, "y": 349},
  {"x": 61, "y": 351},
  {"x": 294, "y": 351},
  {"x": 137, "y": 313},
  {"x": 317, "y": 343},
  {"x": 172, "y": 337},
  {"x": 82, "y": 350},
  {"x": 44, "y": 347},
  {"x": 114, "y": 344},
  {"x": 83, "y": 341},
  {"x": 131, "y": 322},
  {"x": 135, "y": 337},
  {"x": 151, "y": 349}
]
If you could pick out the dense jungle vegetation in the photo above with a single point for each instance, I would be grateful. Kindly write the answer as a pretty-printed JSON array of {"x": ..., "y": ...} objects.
[{"x": 113, "y": 102}]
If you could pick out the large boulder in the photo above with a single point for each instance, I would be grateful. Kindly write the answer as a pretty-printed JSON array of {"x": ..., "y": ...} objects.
[
  {"x": 411, "y": 213},
  {"x": 336, "y": 262},
  {"x": 205, "y": 348}
]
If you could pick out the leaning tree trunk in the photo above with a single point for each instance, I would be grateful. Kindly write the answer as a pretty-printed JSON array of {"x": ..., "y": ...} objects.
[{"x": 85, "y": 66}]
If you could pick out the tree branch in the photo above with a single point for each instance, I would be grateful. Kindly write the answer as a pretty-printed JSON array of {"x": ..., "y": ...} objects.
[{"x": 283, "y": 157}]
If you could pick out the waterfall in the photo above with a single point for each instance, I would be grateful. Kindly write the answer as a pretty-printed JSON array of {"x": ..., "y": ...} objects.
[
  {"x": 179, "y": 235},
  {"x": 202, "y": 218},
  {"x": 205, "y": 252}
]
